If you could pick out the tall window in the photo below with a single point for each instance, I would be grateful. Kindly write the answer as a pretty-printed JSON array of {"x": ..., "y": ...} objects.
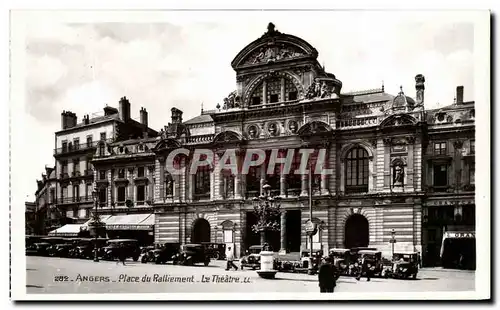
[
  {"x": 76, "y": 192},
  {"x": 88, "y": 191},
  {"x": 472, "y": 173},
  {"x": 89, "y": 141},
  {"x": 202, "y": 181},
  {"x": 121, "y": 173},
  {"x": 356, "y": 171},
  {"x": 103, "y": 136},
  {"x": 64, "y": 192},
  {"x": 440, "y": 175},
  {"x": 440, "y": 148},
  {"x": 102, "y": 197},
  {"x": 102, "y": 174},
  {"x": 76, "y": 143},
  {"x": 472, "y": 146},
  {"x": 64, "y": 146},
  {"x": 227, "y": 184},
  {"x": 76, "y": 165},
  {"x": 141, "y": 193},
  {"x": 64, "y": 167},
  {"x": 293, "y": 178},
  {"x": 52, "y": 195},
  {"x": 121, "y": 194},
  {"x": 102, "y": 149},
  {"x": 140, "y": 172}
]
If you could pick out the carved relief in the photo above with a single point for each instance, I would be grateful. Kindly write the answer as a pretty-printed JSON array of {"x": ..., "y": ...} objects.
[
  {"x": 293, "y": 126},
  {"x": 458, "y": 144},
  {"x": 231, "y": 101},
  {"x": 387, "y": 141},
  {"x": 253, "y": 131},
  {"x": 273, "y": 129},
  {"x": 410, "y": 140},
  {"x": 273, "y": 53}
]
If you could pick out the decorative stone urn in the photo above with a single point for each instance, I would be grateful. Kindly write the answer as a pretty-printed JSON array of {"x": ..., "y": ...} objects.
[{"x": 267, "y": 270}]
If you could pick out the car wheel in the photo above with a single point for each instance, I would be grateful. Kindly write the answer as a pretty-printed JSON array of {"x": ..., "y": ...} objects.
[
  {"x": 144, "y": 260},
  {"x": 217, "y": 256},
  {"x": 136, "y": 258},
  {"x": 414, "y": 276},
  {"x": 207, "y": 262}
]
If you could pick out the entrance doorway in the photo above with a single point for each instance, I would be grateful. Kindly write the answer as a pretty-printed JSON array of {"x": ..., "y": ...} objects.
[
  {"x": 201, "y": 231},
  {"x": 356, "y": 232},
  {"x": 293, "y": 227}
]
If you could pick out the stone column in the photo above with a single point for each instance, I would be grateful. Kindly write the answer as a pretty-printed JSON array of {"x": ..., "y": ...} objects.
[
  {"x": 262, "y": 178},
  {"x": 324, "y": 177},
  {"x": 282, "y": 183},
  {"x": 264, "y": 92},
  {"x": 283, "y": 233},
  {"x": 131, "y": 187},
  {"x": 162, "y": 179},
  {"x": 237, "y": 186},
  {"x": 150, "y": 184},
  {"x": 282, "y": 93},
  {"x": 190, "y": 178},
  {"x": 303, "y": 185}
]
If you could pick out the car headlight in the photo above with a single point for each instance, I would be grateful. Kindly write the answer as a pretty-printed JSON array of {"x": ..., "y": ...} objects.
[
  {"x": 369, "y": 265},
  {"x": 372, "y": 268},
  {"x": 405, "y": 269}
]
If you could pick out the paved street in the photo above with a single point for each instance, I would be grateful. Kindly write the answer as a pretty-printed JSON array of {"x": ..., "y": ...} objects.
[{"x": 61, "y": 275}]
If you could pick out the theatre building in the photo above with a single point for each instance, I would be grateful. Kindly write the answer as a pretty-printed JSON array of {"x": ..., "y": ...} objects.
[{"x": 284, "y": 99}]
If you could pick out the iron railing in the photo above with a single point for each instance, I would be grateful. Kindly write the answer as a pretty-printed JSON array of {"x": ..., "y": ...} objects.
[{"x": 79, "y": 147}]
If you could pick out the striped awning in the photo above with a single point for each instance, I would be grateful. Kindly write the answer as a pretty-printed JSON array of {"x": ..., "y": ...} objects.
[
  {"x": 130, "y": 222},
  {"x": 68, "y": 230}
]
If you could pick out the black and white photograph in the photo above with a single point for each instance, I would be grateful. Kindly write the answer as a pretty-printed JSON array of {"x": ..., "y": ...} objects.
[{"x": 250, "y": 155}]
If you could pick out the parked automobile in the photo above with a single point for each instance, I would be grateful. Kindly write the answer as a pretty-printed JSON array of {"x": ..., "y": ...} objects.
[
  {"x": 147, "y": 254},
  {"x": 167, "y": 252},
  {"x": 60, "y": 250},
  {"x": 341, "y": 259},
  {"x": 354, "y": 257},
  {"x": 251, "y": 259},
  {"x": 317, "y": 256},
  {"x": 405, "y": 265},
  {"x": 215, "y": 250},
  {"x": 191, "y": 254},
  {"x": 373, "y": 260},
  {"x": 38, "y": 249},
  {"x": 113, "y": 247}
]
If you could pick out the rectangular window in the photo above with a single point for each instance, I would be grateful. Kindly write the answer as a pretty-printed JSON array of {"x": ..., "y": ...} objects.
[
  {"x": 64, "y": 166},
  {"x": 102, "y": 196},
  {"x": 64, "y": 192},
  {"x": 440, "y": 148},
  {"x": 103, "y": 136},
  {"x": 202, "y": 181},
  {"x": 472, "y": 173},
  {"x": 228, "y": 236},
  {"x": 89, "y": 141},
  {"x": 88, "y": 191},
  {"x": 121, "y": 194},
  {"x": 76, "y": 192},
  {"x": 52, "y": 195},
  {"x": 440, "y": 175},
  {"x": 76, "y": 143},
  {"x": 472, "y": 146},
  {"x": 102, "y": 174},
  {"x": 64, "y": 146},
  {"x": 292, "y": 95},
  {"x": 255, "y": 100},
  {"x": 76, "y": 165},
  {"x": 121, "y": 173},
  {"x": 140, "y": 193},
  {"x": 273, "y": 98},
  {"x": 102, "y": 149},
  {"x": 140, "y": 172}
]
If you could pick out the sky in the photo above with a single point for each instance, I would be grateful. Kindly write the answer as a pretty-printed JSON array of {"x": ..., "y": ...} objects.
[{"x": 83, "y": 66}]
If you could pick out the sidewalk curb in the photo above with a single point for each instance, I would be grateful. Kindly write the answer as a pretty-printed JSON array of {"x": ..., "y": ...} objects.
[{"x": 438, "y": 269}]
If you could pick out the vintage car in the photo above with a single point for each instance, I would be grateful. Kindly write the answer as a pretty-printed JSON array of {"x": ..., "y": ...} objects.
[
  {"x": 167, "y": 252},
  {"x": 191, "y": 254},
  {"x": 405, "y": 265},
  {"x": 251, "y": 259},
  {"x": 373, "y": 260},
  {"x": 147, "y": 254},
  {"x": 215, "y": 250},
  {"x": 85, "y": 247},
  {"x": 60, "y": 250},
  {"x": 317, "y": 257},
  {"x": 341, "y": 259},
  {"x": 113, "y": 247},
  {"x": 38, "y": 249}
]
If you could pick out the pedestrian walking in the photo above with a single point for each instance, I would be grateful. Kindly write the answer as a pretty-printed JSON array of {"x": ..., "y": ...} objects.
[
  {"x": 122, "y": 255},
  {"x": 230, "y": 258},
  {"x": 327, "y": 276},
  {"x": 363, "y": 268}
]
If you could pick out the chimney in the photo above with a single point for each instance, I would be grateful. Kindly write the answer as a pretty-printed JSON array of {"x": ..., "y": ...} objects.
[
  {"x": 68, "y": 119},
  {"x": 176, "y": 116},
  {"x": 420, "y": 87},
  {"x": 144, "y": 117},
  {"x": 460, "y": 94},
  {"x": 86, "y": 119},
  {"x": 124, "y": 109}
]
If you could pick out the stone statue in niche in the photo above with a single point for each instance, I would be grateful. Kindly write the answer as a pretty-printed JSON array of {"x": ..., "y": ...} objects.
[
  {"x": 293, "y": 126},
  {"x": 398, "y": 175},
  {"x": 169, "y": 189},
  {"x": 252, "y": 131},
  {"x": 325, "y": 92},
  {"x": 314, "y": 90},
  {"x": 273, "y": 129}
]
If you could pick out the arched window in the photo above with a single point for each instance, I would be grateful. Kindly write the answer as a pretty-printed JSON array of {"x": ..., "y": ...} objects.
[{"x": 356, "y": 171}]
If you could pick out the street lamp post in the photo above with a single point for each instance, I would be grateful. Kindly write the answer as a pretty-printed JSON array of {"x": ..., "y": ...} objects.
[
  {"x": 393, "y": 240},
  {"x": 95, "y": 222},
  {"x": 310, "y": 265}
]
